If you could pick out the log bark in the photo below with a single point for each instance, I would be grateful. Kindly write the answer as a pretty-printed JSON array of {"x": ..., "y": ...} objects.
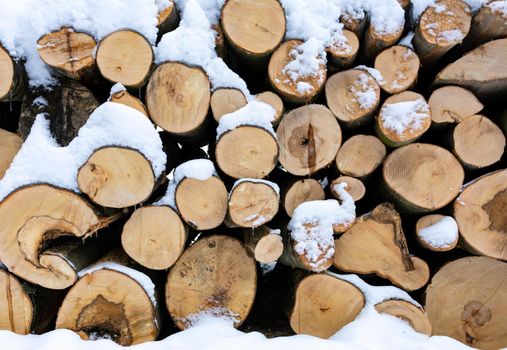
[
  {"x": 263, "y": 244},
  {"x": 309, "y": 138},
  {"x": 408, "y": 312},
  {"x": 440, "y": 28},
  {"x": 399, "y": 66},
  {"x": 488, "y": 24},
  {"x": 376, "y": 244},
  {"x": 343, "y": 55},
  {"x": 423, "y": 177},
  {"x": 353, "y": 96},
  {"x": 246, "y": 152},
  {"x": 355, "y": 187},
  {"x": 274, "y": 101},
  {"x": 13, "y": 82},
  {"x": 478, "y": 142},
  {"x": 480, "y": 213},
  {"x": 297, "y": 191},
  {"x": 225, "y": 101},
  {"x": 360, "y": 156},
  {"x": 284, "y": 85},
  {"x": 214, "y": 276},
  {"x": 167, "y": 19},
  {"x": 452, "y": 104},
  {"x": 375, "y": 42},
  {"x": 154, "y": 236},
  {"x": 125, "y": 57},
  {"x": 466, "y": 299},
  {"x": 123, "y": 97},
  {"x": 427, "y": 221},
  {"x": 10, "y": 144},
  {"x": 482, "y": 70}
]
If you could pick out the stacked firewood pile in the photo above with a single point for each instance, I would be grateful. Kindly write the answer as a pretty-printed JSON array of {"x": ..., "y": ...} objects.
[{"x": 141, "y": 192}]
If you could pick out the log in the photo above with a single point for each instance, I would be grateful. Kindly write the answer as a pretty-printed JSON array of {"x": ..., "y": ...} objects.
[
  {"x": 214, "y": 277},
  {"x": 246, "y": 152},
  {"x": 111, "y": 301},
  {"x": 440, "y": 28},
  {"x": 488, "y": 24},
  {"x": 253, "y": 28},
  {"x": 465, "y": 300},
  {"x": 225, "y": 101},
  {"x": 69, "y": 52},
  {"x": 354, "y": 20},
  {"x": 253, "y": 203},
  {"x": 343, "y": 54},
  {"x": 127, "y": 99},
  {"x": 360, "y": 156},
  {"x": 353, "y": 96},
  {"x": 482, "y": 70},
  {"x": 263, "y": 244},
  {"x": 13, "y": 82},
  {"x": 452, "y": 104},
  {"x": 309, "y": 138},
  {"x": 178, "y": 99},
  {"x": 297, "y": 191},
  {"x": 355, "y": 187},
  {"x": 408, "y": 312},
  {"x": 117, "y": 177},
  {"x": 375, "y": 41},
  {"x": 478, "y": 142},
  {"x": 301, "y": 90},
  {"x": 48, "y": 213},
  {"x": 154, "y": 236},
  {"x": 376, "y": 244},
  {"x": 403, "y": 119},
  {"x": 480, "y": 213},
  {"x": 274, "y": 101},
  {"x": 167, "y": 19},
  {"x": 125, "y": 57},
  {"x": 399, "y": 66},
  {"x": 437, "y": 232},
  {"x": 10, "y": 144},
  {"x": 323, "y": 304},
  {"x": 423, "y": 177}
]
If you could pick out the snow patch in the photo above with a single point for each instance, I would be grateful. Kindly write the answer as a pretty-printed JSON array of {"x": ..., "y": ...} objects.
[
  {"x": 365, "y": 94},
  {"x": 407, "y": 40},
  {"x": 255, "y": 113},
  {"x": 375, "y": 73},
  {"x": 117, "y": 88},
  {"x": 441, "y": 234},
  {"x": 402, "y": 116}
]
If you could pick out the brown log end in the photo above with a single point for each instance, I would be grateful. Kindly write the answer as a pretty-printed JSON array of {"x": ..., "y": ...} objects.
[
  {"x": 434, "y": 240},
  {"x": 225, "y": 101},
  {"x": 343, "y": 53},
  {"x": 274, "y": 101},
  {"x": 10, "y": 144},
  {"x": 301, "y": 191},
  {"x": 360, "y": 156},
  {"x": 123, "y": 97},
  {"x": 16, "y": 308},
  {"x": 355, "y": 187},
  {"x": 399, "y": 66},
  {"x": 453, "y": 104}
]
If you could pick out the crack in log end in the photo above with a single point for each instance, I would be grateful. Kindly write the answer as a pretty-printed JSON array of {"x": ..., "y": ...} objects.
[
  {"x": 312, "y": 151},
  {"x": 475, "y": 315},
  {"x": 497, "y": 212},
  {"x": 103, "y": 319}
]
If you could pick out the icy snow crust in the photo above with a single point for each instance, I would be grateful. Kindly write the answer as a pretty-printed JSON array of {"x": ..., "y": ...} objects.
[{"x": 42, "y": 160}]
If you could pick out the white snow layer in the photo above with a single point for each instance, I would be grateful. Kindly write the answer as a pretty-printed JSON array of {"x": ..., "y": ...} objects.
[
  {"x": 365, "y": 95},
  {"x": 273, "y": 185},
  {"x": 138, "y": 276},
  {"x": 311, "y": 226},
  {"x": 116, "y": 88},
  {"x": 403, "y": 116},
  {"x": 255, "y": 113},
  {"x": 441, "y": 234},
  {"x": 42, "y": 160}
]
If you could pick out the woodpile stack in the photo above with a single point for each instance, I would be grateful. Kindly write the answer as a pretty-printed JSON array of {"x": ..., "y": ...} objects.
[{"x": 141, "y": 192}]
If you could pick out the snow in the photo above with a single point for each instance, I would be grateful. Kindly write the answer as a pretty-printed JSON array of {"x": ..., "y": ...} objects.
[
  {"x": 273, "y": 185},
  {"x": 199, "y": 169},
  {"x": 418, "y": 6},
  {"x": 441, "y": 234},
  {"x": 138, "y": 276},
  {"x": 375, "y": 73},
  {"x": 312, "y": 222},
  {"x": 117, "y": 88},
  {"x": 402, "y": 116},
  {"x": 42, "y": 160},
  {"x": 255, "y": 113},
  {"x": 499, "y": 6},
  {"x": 407, "y": 40},
  {"x": 365, "y": 95}
]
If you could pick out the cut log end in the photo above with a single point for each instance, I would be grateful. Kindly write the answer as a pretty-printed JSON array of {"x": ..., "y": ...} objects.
[
  {"x": 360, "y": 156},
  {"x": 488, "y": 24},
  {"x": 225, "y": 101},
  {"x": 375, "y": 41},
  {"x": 301, "y": 191},
  {"x": 399, "y": 66},
  {"x": 263, "y": 245},
  {"x": 355, "y": 187},
  {"x": 10, "y": 144},
  {"x": 16, "y": 308},
  {"x": 408, "y": 312},
  {"x": 274, "y": 101},
  {"x": 343, "y": 53},
  {"x": 453, "y": 104},
  {"x": 123, "y": 97},
  {"x": 437, "y": 232}
]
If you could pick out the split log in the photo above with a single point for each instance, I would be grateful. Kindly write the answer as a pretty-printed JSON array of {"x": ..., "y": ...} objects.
[
  {"x": 178, "y": 99},
  {"x": 253, "y": 28},
  {"x": 403, "y": 119},
  {"x": 125, "y": 57},
  {"x": 466, "y": 300},
  {"x": 408, "y": 312},
  {"x": 127, "y": 99},
  {"x": 323, "y": 304},
  {"x": 481, "y": 215},
  {"x": 309, "y": 138},
  {"x": 48, "y": 214},
  {"x": 343, "y": 54},
  {"x": 376, "y": 244},
  {"x": 478, "y": 142},
  {"x": 297, "y": 191},
  {"x": 111, "y": 301},
  {"x": 253, "y": 203},
  {"x": 483, "y": 70},
  {"x": 154, "y": 236},
  {"x": 9, "y": 146},
  {"x": 437, "y": 232},
  {"x": 263, "y": 244},
  {"x": 423, "y": 177},
  {"x": 117, "y": 177},
  {"x": 303, "y": 89},
  {"x": 353, "y": 96},
  {"x": 399, "y": 66},
  {"x": 452, "y": 104},
  {"x": 375, "y": 41},
  {"x": 246, "y": 152},
  {"x": 488, "y": 24},
  {"x": 214, "y": 276},
  {"x": 225, "y": 101},
  {"x": 355, "y": 187},
  {"x": 274, "y": 101},
  {"x": 440, "y": 28},
  {"x": 13, "y": 82},
  {"x": 69, "y": 52},
  {"x": 167, "y": 19},
  {"x": 360, "y": 156},
  {"x": 355, "y": 21}
]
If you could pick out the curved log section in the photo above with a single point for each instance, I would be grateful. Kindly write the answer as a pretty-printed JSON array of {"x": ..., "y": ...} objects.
[
  {"x": 226, "y": 100},
  {"x": 262, "y": 244},
  {"x": 167, "y": 19},
  {"x": 10, "y": 144},
  {"x": 299, "y": 191},
  {"x": 452, "y": 104},
  {"x": 274, "y": 101},
  {"x": 437, "y": 232},
  {"x": 127, "y": 99},
  {"x": 399, "y": 66},
  {"x": 488, "y": 24},
  {"x": 16, "y": 308},
  {"x": 360, "y": 156},
  {"x": 375, "y": 41},
  {"x": 13, "y": 82},
  {"x": 408, "y": 312}
]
